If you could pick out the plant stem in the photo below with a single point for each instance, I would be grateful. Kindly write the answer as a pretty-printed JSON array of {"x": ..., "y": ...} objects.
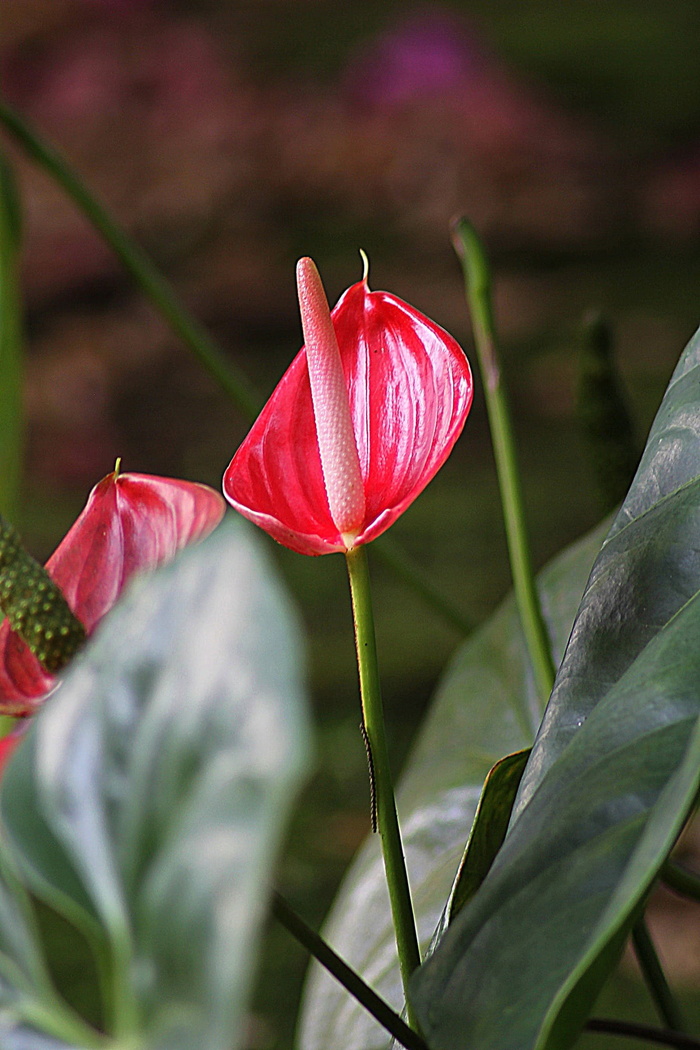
[
  {"x": 406, "y": 570},
  {"x": 477, "y": 279},
  {"x": 122, "y": 1005},
  {"x": 680, "y": 879},
  {"x": 55, "y": 1019},
  {"x": 655, "y": 977},
  {"x": 350, "y": 980},
  {"x": 632, "y": 1030},
  {"x": 138, "y": 265},
  {"x": 11, "y": 416},
  {"x": 36, "y": 1002},
  {"x": 373, "y": 720}
]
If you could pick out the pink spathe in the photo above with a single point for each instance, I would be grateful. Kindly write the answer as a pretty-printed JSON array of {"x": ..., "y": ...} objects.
[
  {"x": 131, "y": 523},
  {"x": 409, "y": 390}
]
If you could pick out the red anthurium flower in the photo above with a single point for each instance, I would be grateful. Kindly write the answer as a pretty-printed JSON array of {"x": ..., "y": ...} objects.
[
  {"x": 363, "y": 418},
  {"x": 131, "y": 523}
]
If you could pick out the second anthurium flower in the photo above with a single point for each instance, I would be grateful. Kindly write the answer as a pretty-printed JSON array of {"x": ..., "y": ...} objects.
[
  {"x": 131, "y": 523},
  {"x": 363, "y": 418}
]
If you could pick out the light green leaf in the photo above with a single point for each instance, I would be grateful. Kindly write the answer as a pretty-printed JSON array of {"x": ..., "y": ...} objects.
[
  {"x": 160, "y": 776},
  {"x": 20, "y": 1037},
  {"x": 31, "y": 1013}
]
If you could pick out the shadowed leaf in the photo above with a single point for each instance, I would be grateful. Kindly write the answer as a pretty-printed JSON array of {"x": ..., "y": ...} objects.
[
  {"x": 612, "y": 775},
  {"x": 148, "y": 801}
]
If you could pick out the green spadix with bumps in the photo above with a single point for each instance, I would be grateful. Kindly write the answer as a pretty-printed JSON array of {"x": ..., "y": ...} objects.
[{"x": 35, "y": 606}]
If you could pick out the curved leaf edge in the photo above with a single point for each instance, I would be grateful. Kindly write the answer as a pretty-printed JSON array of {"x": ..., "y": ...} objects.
[{"x": 608, "y": 937}]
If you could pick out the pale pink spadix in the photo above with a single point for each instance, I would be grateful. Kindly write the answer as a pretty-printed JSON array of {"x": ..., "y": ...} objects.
[{"x": 340, "y": 462}]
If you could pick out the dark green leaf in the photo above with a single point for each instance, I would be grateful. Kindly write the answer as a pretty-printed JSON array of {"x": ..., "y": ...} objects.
[
  {"x": 611, "y": 779},
  {"x": 485, "y": 838},
  {"x": 486, "y": 707},
  {"x": 158, "y": 779},
  {"x": 489, "y": 828}
]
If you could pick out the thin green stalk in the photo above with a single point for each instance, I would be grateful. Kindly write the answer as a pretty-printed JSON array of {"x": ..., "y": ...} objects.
[
  {"x": 350, "y": 980},
  {"x": 37, "y": 1002},
  {"x": 679, "y": 878},
  {"x": 477, "y": 279},
  {"x": 54, "y": 1018},
  {"x": 121, "y": 1007},
  {"x": 138, "y": 265},
  {"x": 655, "y": 978},
  {"x": 11, "y": 416},
  {"x": 632, "y": 1030},
  {"x": 373, "y": 721}
]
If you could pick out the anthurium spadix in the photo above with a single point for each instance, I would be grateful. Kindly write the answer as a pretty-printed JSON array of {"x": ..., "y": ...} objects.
[
  {"x": 363, "y": 418},
  {"x": 131, "y": 523}
]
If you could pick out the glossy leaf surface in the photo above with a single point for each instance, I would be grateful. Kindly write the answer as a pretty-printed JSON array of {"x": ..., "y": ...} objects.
[
  {"x": 613, "y": 774},
  {"x": 485, "y": 838},
  {"x": 130, "y": 524},
  {"x": 147, "y": 803},
  {"x": 410, "y": 389},
  {"x": 486, "y": 706},
  {"x": 489, "y": 829}
]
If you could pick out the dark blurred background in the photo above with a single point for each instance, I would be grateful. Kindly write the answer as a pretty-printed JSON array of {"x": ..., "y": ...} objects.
[{"x": 229, "y": 138}]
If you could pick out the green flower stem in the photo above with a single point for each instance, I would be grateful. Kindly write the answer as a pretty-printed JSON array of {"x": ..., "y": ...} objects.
[
  {"x": 122, "y": 1006},
  {"x": 632, "y": 1030},
  {"x": 373, "y": 720},
  {"x": 478, "y": 289},
  {"x": 679, "y": 878},
  {"x": 138, "y": 265},
  {"x": 350, "y": 980},
  {"x": 655, "y": 978},
  {"x": 11, "y": 416},
  {"x": 36, "y": 1002},
  {"x": 55, "y": 1019},
  {"x": 406, "y": 570}
]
